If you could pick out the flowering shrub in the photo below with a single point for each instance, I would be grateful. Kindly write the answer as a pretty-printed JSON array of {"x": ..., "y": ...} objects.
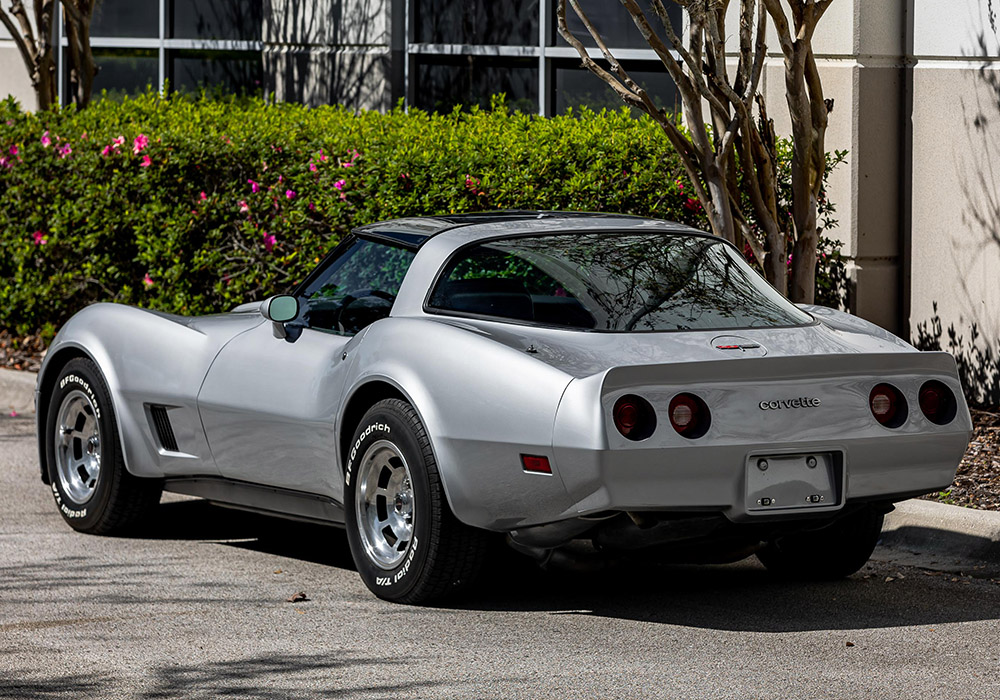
[{"x": 193, "y": 206}]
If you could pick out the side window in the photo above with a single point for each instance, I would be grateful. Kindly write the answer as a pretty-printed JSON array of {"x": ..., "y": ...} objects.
[
  {"x": 356, "y": 289},
  {"x": 494, "y": 280}
]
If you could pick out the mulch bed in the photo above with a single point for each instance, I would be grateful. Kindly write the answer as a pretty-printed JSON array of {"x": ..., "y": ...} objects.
[
  {"x": 977, "y": 484},
  {"x": 23, "y": 353}
]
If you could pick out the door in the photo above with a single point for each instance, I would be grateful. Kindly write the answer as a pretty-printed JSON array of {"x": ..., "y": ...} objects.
[{"x": 269, "y": 405}]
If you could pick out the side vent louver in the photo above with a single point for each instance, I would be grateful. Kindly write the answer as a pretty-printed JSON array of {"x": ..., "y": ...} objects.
[{"x": 164, "y": 432}]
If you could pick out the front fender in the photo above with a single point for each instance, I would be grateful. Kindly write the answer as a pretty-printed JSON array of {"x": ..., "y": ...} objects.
[{"x": 145, "y": 358}]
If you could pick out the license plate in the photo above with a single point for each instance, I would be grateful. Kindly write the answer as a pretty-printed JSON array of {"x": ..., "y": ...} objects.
[{"x": 782, "y": 482}]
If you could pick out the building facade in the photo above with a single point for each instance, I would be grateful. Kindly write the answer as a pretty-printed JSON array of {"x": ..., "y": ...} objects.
[{"x": 915, "y": 83}]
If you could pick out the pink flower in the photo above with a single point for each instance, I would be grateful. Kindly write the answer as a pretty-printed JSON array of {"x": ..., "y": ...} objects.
[
  {"x": 312, "y": 207},
  {"x": 13, "y": 413},
  {"x": 203, "y": 196},
  {"x": 322, "y": 156},
  {"x": 40, "y": 238},
  {"x": 106, "y": 151},
  {"x": 269, "y": 242},
  {"x": 244, "y": 207},
  {"x": 5, "y": 163},
  {"x": 290, "y": 194},
  {"x": 13, "y": 150},
  {"x": 115, "y": 143},
  {"x": 145, "y": 162},
  {"x": 254, "y": 187},
  {"x": 46, "y": 141},
  {"x": 65, "y": 150},
  {"x": 147, "y": 280},
  {"x": 312, "y": 167},
  {"x": 281, "y": 178},
  {"x": 339, "y": 184},
  {"x": 140, "y": 142}
]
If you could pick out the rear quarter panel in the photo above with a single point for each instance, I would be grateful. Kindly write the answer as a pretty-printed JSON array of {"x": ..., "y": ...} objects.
[{"x": 483, "y": 405}]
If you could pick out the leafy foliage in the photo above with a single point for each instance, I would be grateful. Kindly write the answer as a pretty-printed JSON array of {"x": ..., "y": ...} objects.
[{"x": 194, "y": 205}]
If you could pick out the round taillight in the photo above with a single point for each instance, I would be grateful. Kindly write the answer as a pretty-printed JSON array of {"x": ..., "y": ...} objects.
[
  {"x": 937, "y": 402},
  {"x": 887, "y": 405},
  {"x": 634, "y": 417},
  {"x": 689, "y": 415}
]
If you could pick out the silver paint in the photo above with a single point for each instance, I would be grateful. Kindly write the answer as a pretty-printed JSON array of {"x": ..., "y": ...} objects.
[{"x": 249, "y": 406}]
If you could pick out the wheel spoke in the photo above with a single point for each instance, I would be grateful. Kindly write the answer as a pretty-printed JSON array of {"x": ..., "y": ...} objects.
[
  {"x": 384, "y": 503},
  {"x": 77, "y": 445}
]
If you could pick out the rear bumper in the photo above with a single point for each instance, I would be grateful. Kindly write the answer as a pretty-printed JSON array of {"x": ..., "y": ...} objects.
[
  {"x": 718, "y": 478},
  {"x": 587, "y": 482}
]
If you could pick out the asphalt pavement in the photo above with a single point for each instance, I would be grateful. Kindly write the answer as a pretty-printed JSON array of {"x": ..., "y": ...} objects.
[{"x": 197, "y": 607}]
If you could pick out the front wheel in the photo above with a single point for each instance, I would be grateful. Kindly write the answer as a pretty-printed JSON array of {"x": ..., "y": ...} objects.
[
  {"x": 833, "y": 552},
  {"x": 406, "y": 543},
  {"x": 91, "y": 486}
]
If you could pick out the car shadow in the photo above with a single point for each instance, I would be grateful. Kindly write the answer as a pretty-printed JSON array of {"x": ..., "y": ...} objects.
[
  {"x": 732, "y": 597},
  {"x": 745, "y": 597},
  {"x": 202, "y": 520}
]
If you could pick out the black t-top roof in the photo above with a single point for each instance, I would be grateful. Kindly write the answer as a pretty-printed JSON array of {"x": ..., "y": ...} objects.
[{"x": 415, "y": 230}]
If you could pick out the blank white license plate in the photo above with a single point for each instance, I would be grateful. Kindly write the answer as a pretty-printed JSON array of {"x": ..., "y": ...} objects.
[{"x": 780, "y": 482}]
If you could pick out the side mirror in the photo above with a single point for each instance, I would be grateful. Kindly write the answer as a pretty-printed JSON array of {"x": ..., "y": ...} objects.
[{"x": 279, "y": 310}]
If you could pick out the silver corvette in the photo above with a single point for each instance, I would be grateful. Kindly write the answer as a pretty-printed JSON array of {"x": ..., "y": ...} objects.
[{"x": 580, "y": 383}]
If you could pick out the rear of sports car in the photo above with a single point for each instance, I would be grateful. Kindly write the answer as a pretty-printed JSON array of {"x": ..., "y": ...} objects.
[
  {"x": 766, "y": 438},
  {"x": 705, "y": 412},
  {"x": 719, "y": 457}
]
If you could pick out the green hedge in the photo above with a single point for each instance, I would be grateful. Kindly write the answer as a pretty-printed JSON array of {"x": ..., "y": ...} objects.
[{"x": 193, "y": 206}]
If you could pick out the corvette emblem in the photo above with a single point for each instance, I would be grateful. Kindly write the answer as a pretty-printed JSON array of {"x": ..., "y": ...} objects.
[
  {"x": 803, "y": 402},
  {"x": 748, "y": 346}
]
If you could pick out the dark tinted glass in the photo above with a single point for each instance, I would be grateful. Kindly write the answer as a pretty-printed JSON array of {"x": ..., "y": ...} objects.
[
  {"x": 617, "y": 282},
  {"x": 126, "y": 18},
  {"x": 614, "y": 23},
  {"x": 446, "y": 81},
  {"x": 504, "y": 22},
  {"x": 357, "y": 287},
  {"x": 221, "y": 71},
  {"x": 216, "y": 19},
  {"x": 576, "y": 87},
  {"x": 122, "y": 71}
]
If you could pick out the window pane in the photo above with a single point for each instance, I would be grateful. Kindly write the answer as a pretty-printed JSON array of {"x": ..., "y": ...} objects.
[
  {"x": 446, "y": 81},
  {"x": 576, "y": 87},
  {"x": 614, "y": 282},
  {"x": 126, "y": 18},
  {"x": 216, "y": 19},
  {"x": 225, "y": 71},
  {"x": 357, "y": 288},
  {"x": 121, "y": 72},
  {"x": 503, "y": 22},
  {"x": 614, "y": 23}
]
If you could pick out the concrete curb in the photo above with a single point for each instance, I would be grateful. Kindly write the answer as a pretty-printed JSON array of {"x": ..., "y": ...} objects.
[
  {"x": 17, "y": 392},
  {"x": 942, "y": 537}
]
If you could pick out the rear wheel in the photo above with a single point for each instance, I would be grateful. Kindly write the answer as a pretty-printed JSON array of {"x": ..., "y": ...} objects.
[
  {"x": 406, "y": 543},
  {"x": 92, "y": 489},
  {"x": 834, "y": 552}
]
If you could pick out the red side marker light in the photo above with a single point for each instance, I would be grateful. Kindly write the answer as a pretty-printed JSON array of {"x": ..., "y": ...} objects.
[{"x": 536, "y": 464}]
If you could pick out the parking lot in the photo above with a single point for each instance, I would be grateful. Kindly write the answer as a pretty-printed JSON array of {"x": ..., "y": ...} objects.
[{"x": 197, "y": 607}]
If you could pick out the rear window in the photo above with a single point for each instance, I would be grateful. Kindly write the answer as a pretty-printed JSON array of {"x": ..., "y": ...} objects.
[{"x": 612, "y": 282}]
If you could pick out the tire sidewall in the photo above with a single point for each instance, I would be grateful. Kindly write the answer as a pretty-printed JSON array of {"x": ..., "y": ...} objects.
[
  {"x": 81, "y": 375},
  {"x": 383, "y": 423}
]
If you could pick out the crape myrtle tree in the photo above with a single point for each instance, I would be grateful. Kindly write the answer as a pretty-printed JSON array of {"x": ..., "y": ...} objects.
[
  {"x": 32, "y": 33},
  {"x": 730, "y": 152}
]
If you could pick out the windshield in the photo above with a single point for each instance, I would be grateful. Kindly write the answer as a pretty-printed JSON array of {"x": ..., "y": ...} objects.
[{"x": 613, "y": 282}]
